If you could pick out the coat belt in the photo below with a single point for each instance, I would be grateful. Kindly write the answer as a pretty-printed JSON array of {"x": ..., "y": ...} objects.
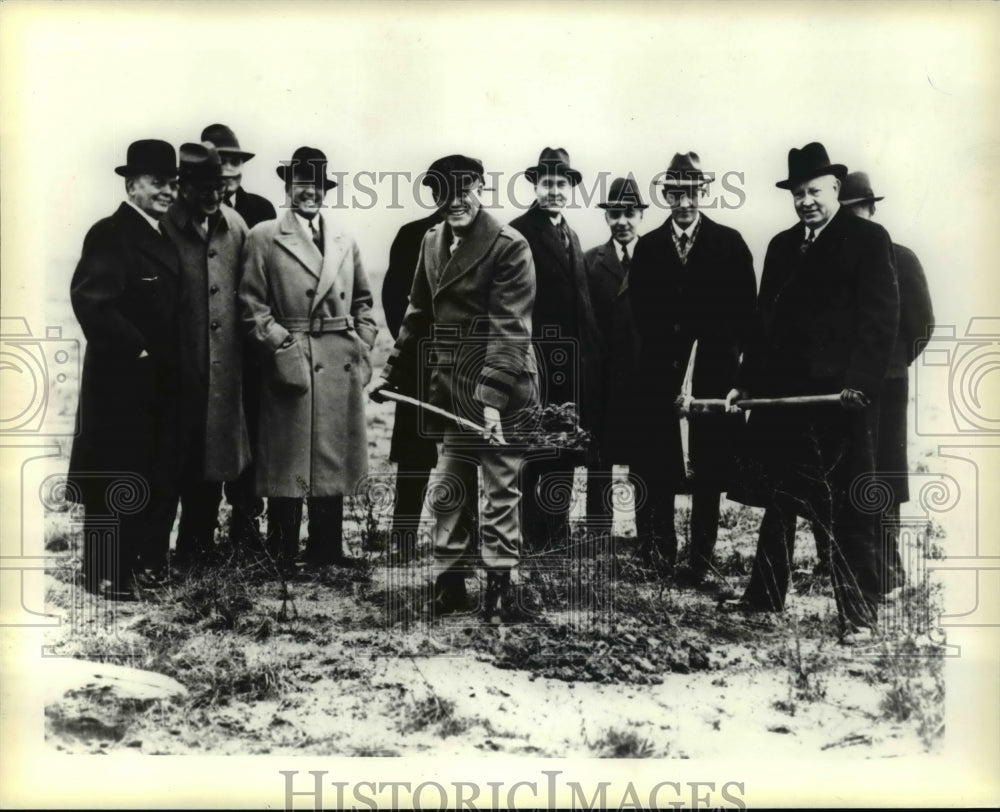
[{"x": 319, "y": 324}]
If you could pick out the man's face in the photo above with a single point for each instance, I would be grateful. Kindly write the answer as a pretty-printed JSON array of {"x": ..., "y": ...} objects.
[
  {"x": 683, "y": 202},
  {"x": 460, "y": 207},
  {"x": 624, "y": 223},
  {"x": 863, "y": 210},
  {"x": 306, "y": 198},
  {"x": 202, "y": 196},
  {"x": 553, "y": 192},
  {"x": 816, "y": 200},
  {"x": 232, "y": 171},
  {"x": 153, "y": 194}
]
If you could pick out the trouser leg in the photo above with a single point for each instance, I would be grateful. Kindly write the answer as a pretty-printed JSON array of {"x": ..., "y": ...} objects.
[
  {"x": 654, "y": 516},
  {"x": 284, "y": 518},
  {"x": 453, "y": 499},
  {"x": 411, "y": 484},
  {"x": 855, "y": 566},
  {"x": 892, "y": 574},
  {"x": 199, "y": 518},
  {"x": 501, "y": 520},
  {"x": 822, "y": 535},
  {"x": 326, "y": 529},
  {"x": 773, "y": 562},
  {"x": 247, "y": 507},
  {"x": 110, "y": 546},
  {"x": 704, "y": 528}
]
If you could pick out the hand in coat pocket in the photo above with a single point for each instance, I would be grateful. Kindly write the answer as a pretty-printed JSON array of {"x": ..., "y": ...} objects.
[{"x": 291, "y": 369}]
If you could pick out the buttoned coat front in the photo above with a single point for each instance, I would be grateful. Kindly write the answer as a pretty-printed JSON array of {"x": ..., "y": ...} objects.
[
  {"x": 212, "y": 341},
  {"x": 312, "y": 442}
]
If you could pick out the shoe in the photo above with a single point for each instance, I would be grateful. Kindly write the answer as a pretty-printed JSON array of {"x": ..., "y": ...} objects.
[
  {"x": 504, "y": 602},
  {"x": 857, "y": 635},
  {"x": 740, "y": 605},
  {"x": 450, "y": 595},
  {"x": 496, "y": 583}
]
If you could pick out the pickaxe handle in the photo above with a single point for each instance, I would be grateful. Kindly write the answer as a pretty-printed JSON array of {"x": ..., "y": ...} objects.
[{"x": 711, "y": 405}]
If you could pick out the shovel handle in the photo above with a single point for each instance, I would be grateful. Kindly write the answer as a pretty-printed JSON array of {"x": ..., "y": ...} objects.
[{"x": 398, "y": 397}]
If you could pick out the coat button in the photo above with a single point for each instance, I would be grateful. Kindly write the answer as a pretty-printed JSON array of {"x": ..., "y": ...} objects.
[
  {"x": 677, "y": 328},
  {"x": 212, "y": 253},
  {"x": 215, "y": 325},
  {"x": 347, "y": 367},
  {"x": 676, "y": 364},
  {"x": 343, "y": 295},
  {"x": 310, "y": 293},
  {"x": 213, "y": 289},
  {"x": 318, "y": 367}
]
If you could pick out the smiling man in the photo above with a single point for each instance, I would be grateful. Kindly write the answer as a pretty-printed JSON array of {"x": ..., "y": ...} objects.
[
  {"x": 472, "y": 297},
  {"x": 827, "y": 316},
  {"x": 692, "y": 285},
  {"x": 566, "y": 340}
]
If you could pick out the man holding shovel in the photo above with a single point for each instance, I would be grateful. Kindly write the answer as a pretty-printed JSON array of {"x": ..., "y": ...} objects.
[
  {"x": 468, "y": 326},
  {"x": 828, "y": 310}
]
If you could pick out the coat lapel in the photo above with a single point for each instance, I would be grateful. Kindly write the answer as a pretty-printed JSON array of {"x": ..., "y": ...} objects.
[
  {"x": 610, "y": 262},
  {"x": 335, "y": 275},
  {"x": 549, "y": 238},
  {"x": 154, "y": 246},
  {"x": 293, "y": 239},
  {"x": 469, "y": 252}
]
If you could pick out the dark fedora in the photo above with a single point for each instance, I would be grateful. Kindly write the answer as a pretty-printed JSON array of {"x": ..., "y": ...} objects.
[
  {"x": 200, "y": 162},
  {"x": 624, "y": 194},
  {"x": 308, "y": 165},
  {"x": 857, "y": 188},
  {"x": 809, "y": 162},
  {"x": 225, "y": 141},
  {"x": 149, "y": 157},
  {"x": 453, "y": 172},
  {"x": 553, "y": 162},
  {"x": 685, "y": 170}
]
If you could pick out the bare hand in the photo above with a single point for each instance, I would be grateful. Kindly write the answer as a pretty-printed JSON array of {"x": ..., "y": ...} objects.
[
  {"x": 376, "y": 393},
  {"x": 491, "y": 423},
  {"x": 682, "y": 404},
  {"x": 731, "y": 398},
  {"x": 853, "y": 399}
]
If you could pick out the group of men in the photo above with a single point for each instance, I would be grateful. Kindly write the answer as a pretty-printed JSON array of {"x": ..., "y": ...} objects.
[{"x": 491, "y": 322}]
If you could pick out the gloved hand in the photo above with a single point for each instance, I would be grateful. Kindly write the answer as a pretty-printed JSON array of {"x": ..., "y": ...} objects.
[{"x": 854, "y": 399}]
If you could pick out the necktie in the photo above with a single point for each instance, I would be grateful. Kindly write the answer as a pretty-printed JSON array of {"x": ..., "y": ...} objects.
[
  {"x": 626, "y": 261},
  {"x": 684, "y": 242},
  {"x": 563, "y": 234},
  {"x": 808, "y": 241},
  {"x": 317, "y": 233},
  {"x": 457, "y": 241}
]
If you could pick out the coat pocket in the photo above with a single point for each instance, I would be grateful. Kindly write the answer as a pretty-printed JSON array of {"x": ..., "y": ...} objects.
[
  {"x": 364, "y": 359},
  {"x": 291, "y": 369}
]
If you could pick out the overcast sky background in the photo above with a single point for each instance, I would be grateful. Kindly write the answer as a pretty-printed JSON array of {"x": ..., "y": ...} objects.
[{"x": 907, "y": 92}]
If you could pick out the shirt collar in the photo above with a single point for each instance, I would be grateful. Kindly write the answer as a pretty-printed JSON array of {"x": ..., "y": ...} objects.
[
  {"x": 555, "y": 219},
  {"x": 306, "y": 223},
  {"x": 154, "y": 224},
  {"x": 630, "y": 246},
  {"x": 817, "y": 231},
  {"x": 689, "y": 230}
]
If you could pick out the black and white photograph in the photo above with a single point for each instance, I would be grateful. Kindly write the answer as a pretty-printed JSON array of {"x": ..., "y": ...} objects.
[{"x": 499, "y": 405}]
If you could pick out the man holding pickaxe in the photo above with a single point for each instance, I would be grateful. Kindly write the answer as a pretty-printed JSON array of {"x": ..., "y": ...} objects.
[{"x": 828, "y": 311}]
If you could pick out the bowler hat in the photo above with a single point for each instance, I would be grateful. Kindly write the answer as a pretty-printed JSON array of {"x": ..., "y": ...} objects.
[
  {"x": 225, "y": 141},
  {"x": 149, "y": 157},
  {"x": 452, "y": 172},
  {"x": 624, "y": 194},
  {"x": 200, "y": 162},
  {"x": 856, "y": 188},
  {"x": 308, "y": 165},
  {"x": 685, "y": 170},
  {"x": 809, "y": 162},
  {"x": 553, "y": 161}
]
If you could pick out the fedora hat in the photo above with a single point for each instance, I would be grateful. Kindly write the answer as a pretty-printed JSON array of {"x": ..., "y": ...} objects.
[
  {"x": 809, "y": 162},
  {"x": 857, "y": 188},
  {"x": 452, "y": 172},
  {"x": 200, "y": 162},
  {"x": 149, "y": 156},
  {"x": 225, "y": 141},
  {"x": 685, "y": 170},
  {"x": 308, "y": 165},
  {"x": 553, "y": 161},
  {"x": 624, "y": 194}
]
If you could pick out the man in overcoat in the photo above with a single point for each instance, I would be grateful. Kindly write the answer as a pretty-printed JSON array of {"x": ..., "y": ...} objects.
[
  {"x": 691, "y": 285},
  {"x": 307, "y": 306},
  {"x": 214, "y": 447},
  {"x": 916, "y": 323},
  {"x": 243, "y": 529},
  {"x": 607, "y": 274},
  {"x": 827, "y": 316},
  {"x": 125, "y": 295},
  {"x": 469, "y": 323},
  {"x": 566, "y": 339},
  {"x": 414, "y": 453}
]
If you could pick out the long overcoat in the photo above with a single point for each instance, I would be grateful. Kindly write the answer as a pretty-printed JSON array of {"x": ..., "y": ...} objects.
[
  {"x": 563, "y": 322},
  {"x": 312, "y": 439},
  {"x": 469, "y": 323},
  {"x": 212, "y": 341},
  {"x": 408, "y": 447},
  {"x": 709, "y": 299},
  {"x": 826, "y": 321},
  {"x": 614, "y": 435},
  {"x": 125, "y": 295}
]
